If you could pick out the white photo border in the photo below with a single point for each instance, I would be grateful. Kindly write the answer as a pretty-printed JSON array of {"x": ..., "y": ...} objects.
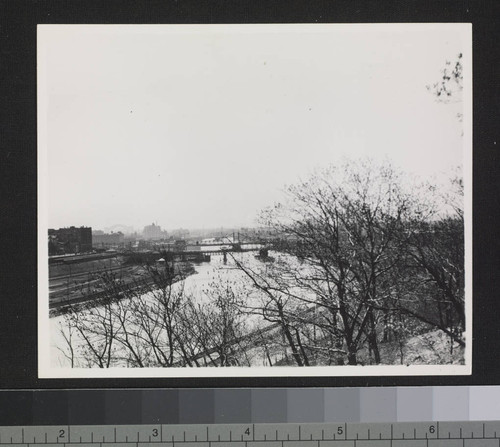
[{"x": 46, "y": 371}]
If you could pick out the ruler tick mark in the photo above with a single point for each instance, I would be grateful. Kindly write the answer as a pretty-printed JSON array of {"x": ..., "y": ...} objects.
[{"x": 465, "y": 431}]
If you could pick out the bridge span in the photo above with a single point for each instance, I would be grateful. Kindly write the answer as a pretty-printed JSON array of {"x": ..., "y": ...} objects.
[{"x": 198, "y": 254}]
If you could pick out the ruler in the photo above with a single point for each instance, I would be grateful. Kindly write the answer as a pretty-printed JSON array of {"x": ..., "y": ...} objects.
[{"x": 400, "y": 434}]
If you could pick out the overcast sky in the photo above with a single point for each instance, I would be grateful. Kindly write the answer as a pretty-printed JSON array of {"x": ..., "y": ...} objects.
[{"x": 203, "y": 126}]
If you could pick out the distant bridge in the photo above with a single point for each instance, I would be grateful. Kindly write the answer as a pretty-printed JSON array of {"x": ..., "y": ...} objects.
[
  {"x": 204, "y": 255},
  {"x": 224, "y": 244},
  {"x": 221, "y": 247}
]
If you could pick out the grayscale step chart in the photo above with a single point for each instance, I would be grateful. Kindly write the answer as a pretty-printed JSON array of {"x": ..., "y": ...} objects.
[{"x": 247, "y": 406}]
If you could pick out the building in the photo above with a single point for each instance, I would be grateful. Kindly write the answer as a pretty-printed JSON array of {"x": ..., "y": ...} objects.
[
  {"x": 103, "y": 240},
  {"x": 153, "y": 232},
  {"x": 70, "y": 240}
]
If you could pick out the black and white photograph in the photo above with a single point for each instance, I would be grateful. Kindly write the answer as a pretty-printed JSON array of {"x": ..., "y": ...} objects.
[{"x": 254, "y": 200}]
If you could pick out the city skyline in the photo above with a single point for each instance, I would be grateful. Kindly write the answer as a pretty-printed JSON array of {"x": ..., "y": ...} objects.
[
  {"x": 127, "y": 229},
  {"x": 203, "y": 127}
]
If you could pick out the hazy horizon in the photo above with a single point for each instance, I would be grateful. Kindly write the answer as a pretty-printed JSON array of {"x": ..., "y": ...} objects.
[
  {"x": 118, "y": 227},
  {"x": 203, "y": 126}
]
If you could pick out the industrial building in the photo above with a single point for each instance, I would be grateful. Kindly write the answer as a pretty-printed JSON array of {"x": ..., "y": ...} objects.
[
  {"x": 105, "y": 240},
  {"x": 70, "y": 240}
]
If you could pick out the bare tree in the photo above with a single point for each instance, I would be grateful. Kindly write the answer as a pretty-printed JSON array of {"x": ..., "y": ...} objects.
[
  {"x": 278, "y": 306},
  {"x": 216, "y": 327},
  {"x": 353, "y": 236},
  {"x": 450, "y": 86},
  {"x": 156, "y": 323},
  {"x": 451, "y": 82},
  {"x": 438, "y": 249}
]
